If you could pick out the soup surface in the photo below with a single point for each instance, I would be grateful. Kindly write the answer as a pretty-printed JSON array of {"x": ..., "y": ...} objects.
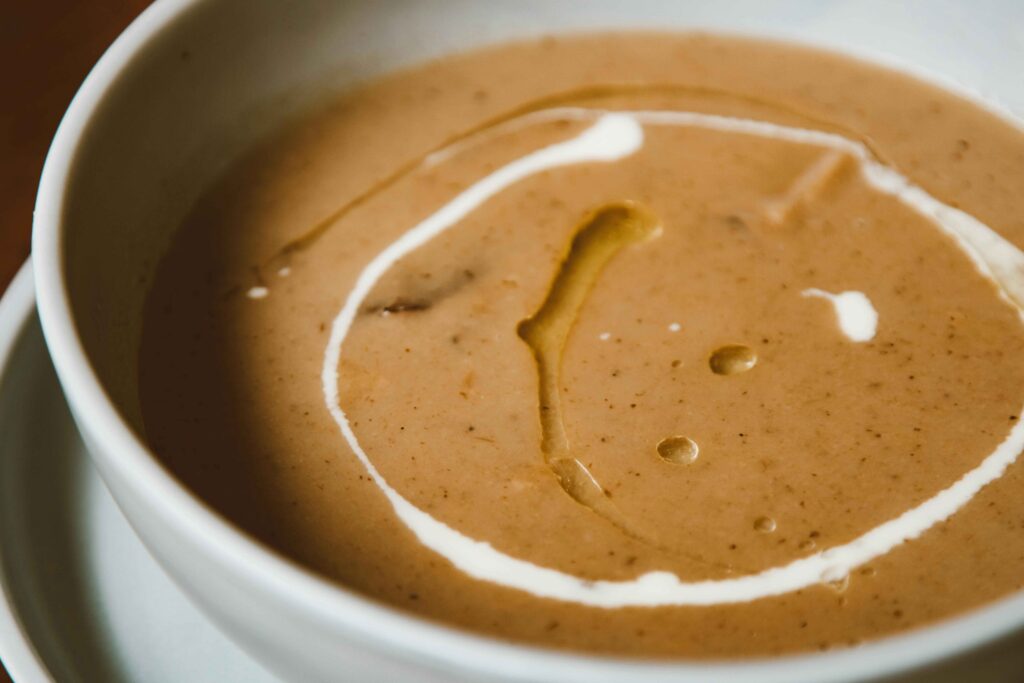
[{"x": 670, "y": 345}]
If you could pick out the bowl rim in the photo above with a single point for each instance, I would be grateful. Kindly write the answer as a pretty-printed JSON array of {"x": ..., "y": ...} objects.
[{"x": 387, "y": 630}]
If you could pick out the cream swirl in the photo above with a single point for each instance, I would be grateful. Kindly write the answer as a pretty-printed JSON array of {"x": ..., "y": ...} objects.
[{"x": 613, "y": 136}]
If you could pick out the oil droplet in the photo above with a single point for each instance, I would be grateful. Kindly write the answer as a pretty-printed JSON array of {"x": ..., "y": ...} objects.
[
  {"x": 674, "y": 327},
  {"x": 678, "y": 450},
  {"x": 732, "y": 359},
  {"x": 765, "y": 525},
  {"x": 604, "y": 336},
  {"x": 807, "y": 545},
  {"x": 257, "y": 292}
]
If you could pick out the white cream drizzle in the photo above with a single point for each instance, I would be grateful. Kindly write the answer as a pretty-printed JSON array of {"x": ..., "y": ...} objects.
[
  {"x": 615, "y": 136},
  {"x": 857, "y": 317}
]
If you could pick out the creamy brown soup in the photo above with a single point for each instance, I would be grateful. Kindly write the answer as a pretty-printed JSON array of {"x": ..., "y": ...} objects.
[{"x": 670, "y": 345}]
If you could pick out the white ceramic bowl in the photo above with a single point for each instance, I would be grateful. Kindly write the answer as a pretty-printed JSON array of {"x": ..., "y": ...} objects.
[{"x": 187, "y": 87}]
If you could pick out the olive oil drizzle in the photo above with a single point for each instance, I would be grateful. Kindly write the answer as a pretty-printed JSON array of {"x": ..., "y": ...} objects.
[{"x": 600, "y": 237}]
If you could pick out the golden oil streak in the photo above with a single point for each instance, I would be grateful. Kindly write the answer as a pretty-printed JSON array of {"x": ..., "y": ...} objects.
[{"x": 601, "y": 235}]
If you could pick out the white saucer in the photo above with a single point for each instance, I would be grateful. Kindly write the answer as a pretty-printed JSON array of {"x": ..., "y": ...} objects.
[{"x": 81, "y": 598}]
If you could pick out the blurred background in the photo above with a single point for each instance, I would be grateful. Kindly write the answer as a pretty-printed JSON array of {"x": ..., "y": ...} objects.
[{"x": 46, "y": 48}]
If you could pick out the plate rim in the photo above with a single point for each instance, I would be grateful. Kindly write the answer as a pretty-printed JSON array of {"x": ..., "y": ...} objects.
[{"x": 18, "y": 654}]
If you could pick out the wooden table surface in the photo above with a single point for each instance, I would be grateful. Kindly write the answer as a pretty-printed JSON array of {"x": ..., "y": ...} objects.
[{"x": 46, "y": 49}]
